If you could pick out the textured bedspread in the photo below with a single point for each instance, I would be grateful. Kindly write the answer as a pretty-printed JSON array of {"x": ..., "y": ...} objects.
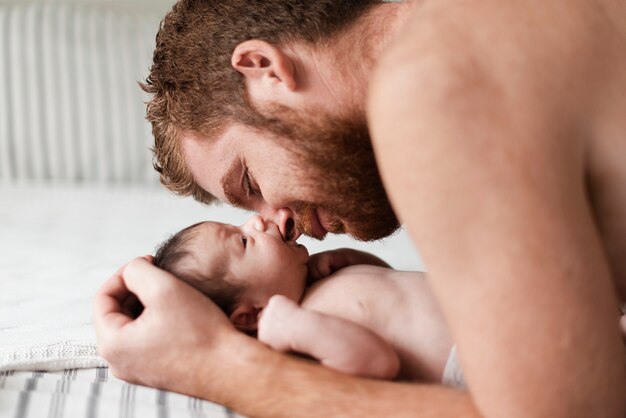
[{"x": 94, "y": 393}]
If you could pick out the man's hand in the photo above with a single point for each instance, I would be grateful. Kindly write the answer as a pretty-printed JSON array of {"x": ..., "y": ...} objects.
[
  {"x": 176, "y": 325},
  {"x": 324, "y": 264}
]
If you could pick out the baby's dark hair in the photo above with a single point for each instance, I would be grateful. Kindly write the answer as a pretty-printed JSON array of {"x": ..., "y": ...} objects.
[{"x": 172, "y": 253}]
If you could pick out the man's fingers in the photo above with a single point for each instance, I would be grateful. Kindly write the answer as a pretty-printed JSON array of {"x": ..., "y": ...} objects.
[
  {"x": 108, "y": 315},
  {"x": 109, "y": 303},
  {"x": 110, "y": 296},
  {"x": 115, "y": 286},
  {"x": 131, "y": 306},
  {"x": 147, "y": 282}
]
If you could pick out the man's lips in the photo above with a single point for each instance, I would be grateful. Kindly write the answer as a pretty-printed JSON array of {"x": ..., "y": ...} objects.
[{"x": 317, "y": 230}]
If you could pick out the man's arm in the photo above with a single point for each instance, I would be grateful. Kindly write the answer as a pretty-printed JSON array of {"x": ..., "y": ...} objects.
[
  {"x": 482, "y": 153},
  {"x": 342, "y": 345},
  {"x": 182, "y": 342}
]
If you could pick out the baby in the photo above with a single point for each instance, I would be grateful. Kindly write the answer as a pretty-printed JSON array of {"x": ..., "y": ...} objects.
[{"x": 345, "y": 308}]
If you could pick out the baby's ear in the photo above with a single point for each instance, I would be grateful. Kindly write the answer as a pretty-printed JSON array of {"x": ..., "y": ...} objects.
[{"x": 245, "y": 317}]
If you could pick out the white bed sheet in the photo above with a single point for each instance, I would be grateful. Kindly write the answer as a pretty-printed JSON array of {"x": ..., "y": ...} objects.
[{"x": 58, "y": 243}]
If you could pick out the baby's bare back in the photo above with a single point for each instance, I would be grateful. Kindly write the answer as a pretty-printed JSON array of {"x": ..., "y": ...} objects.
[{"x": 398, "y": 306}]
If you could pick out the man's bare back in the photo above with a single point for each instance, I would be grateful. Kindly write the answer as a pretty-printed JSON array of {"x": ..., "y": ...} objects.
[{"x": 396, "y": 305}]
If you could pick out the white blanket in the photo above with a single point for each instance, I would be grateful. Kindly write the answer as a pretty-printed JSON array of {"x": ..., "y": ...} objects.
[{"x": 59, "y": 243}]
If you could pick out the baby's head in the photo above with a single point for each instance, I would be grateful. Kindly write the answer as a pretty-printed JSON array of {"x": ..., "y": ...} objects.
[{"x": 239, "y": 268}]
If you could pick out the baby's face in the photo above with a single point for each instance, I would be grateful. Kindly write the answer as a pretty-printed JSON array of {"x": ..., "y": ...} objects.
[{"x": 256, "y": 255}]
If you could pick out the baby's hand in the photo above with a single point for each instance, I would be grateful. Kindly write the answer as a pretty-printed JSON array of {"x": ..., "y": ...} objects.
[
  {"x": 276, "y": 323},
  {"x": 326, "y": 263}
]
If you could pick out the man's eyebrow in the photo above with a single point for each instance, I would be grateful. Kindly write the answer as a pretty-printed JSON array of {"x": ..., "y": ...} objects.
[{"x": 227, "y": 184}]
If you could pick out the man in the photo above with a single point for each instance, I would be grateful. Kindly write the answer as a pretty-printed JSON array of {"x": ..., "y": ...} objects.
[{"x": 498, "y": 129}]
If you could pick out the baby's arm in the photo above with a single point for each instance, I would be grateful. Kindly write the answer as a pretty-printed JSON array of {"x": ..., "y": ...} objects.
[
  {"x": 337, "y": 343},
  {"x": 325, "y": 263}
]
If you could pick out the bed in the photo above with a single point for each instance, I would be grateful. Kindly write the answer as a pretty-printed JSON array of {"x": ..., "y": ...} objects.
[{"x": 79, "y": 198}]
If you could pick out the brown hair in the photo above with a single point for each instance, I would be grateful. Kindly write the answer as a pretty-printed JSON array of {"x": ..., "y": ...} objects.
[
  {"x": 172, "y": 253},
  {"x": 194, "y": 87}
]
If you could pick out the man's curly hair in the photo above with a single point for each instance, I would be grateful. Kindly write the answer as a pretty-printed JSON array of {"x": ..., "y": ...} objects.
[{"x": 195, "y": 89}]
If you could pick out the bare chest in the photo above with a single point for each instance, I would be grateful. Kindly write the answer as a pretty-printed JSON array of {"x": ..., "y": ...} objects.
[
  {"x": 364, "y": 294},
  {"x": 398, "y": 306}
]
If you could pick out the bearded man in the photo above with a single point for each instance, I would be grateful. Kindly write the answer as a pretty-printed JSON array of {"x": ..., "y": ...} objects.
[{"x": 498, "y": 129}]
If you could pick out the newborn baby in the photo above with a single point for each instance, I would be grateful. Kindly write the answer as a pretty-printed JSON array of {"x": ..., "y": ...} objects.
[{"x": 345, "y": 308}]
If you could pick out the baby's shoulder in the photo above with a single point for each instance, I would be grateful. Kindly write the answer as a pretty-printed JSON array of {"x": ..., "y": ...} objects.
[
  {"x": 351, "y": 277},
  {"x": 362, "y": 270},
  {"x": 352, "y": 291}
]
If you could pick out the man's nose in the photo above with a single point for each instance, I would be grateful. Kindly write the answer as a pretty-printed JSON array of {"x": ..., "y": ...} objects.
[{"x": 284, "y": 218}]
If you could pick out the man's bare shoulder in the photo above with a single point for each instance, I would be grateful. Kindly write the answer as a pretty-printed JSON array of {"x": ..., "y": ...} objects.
[
  {"x": 520, "y": 81},
  {"x": 497, "y": 28},
  {"x": 485, "y": 53}
]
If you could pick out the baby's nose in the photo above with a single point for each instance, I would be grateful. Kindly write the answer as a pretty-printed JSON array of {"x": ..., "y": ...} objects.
[{"x": 257, "y": 223}]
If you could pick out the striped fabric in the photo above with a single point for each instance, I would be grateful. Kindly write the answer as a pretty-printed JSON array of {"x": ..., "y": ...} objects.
[
  {"x": 70, "y": 107},
  {"x": 90, "y": 393}
]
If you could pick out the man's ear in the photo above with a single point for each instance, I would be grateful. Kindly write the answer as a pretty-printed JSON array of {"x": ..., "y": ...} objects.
[
  {"x": 245, "y": 317},
  {"x": 262, "y": 62}
]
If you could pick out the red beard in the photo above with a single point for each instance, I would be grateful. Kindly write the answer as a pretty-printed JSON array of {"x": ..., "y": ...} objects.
[{"x": 337, "y": 154}]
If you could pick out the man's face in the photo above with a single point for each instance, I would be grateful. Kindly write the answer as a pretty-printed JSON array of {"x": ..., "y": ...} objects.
[{"x": 320, "y": 170}]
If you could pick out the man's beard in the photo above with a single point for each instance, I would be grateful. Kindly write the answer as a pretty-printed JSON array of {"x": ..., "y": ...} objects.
[{"x": 336, "y": 154}]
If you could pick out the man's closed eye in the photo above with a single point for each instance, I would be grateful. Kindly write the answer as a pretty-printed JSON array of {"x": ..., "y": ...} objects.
[{"x": 248, "y": 185}]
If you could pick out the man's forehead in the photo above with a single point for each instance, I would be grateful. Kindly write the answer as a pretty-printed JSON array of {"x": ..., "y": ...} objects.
[{"x": 210, "y": 161}]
